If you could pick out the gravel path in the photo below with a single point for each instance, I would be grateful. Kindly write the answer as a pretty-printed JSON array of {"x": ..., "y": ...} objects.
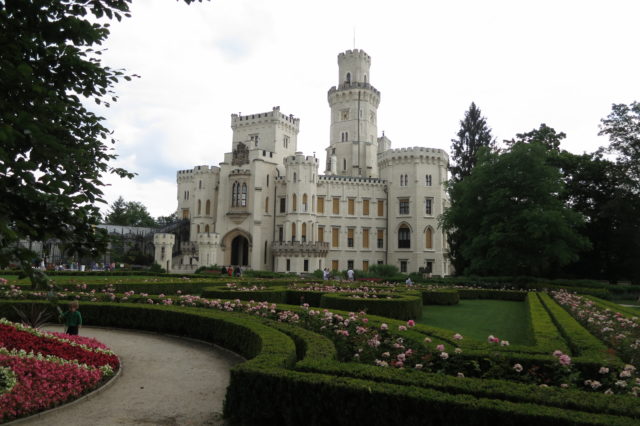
[{"x": 164, "y": 381}]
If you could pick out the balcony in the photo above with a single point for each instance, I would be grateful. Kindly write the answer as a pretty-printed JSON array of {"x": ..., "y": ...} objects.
[{"x": 298, "y": 248}]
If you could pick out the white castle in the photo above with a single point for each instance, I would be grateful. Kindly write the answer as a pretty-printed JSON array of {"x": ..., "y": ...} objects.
[{"x": 266, "y": 207}]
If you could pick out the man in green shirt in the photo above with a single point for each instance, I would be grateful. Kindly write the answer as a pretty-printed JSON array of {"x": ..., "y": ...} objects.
[{"x": 72, "y": 318}]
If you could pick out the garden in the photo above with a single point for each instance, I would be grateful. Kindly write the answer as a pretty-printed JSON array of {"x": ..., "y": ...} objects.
[{"x": 335, "y": 352}]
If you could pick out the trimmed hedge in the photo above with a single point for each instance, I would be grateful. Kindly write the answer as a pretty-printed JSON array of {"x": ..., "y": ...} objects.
[
  {"x": 405, "y": 307},
  {"x": 476, "y": 293},
  {"x": 545, "y": 333},
  {"x": 268, "y": 390},
  {"x": 580, "y": 341},
  {"x": 271, "y": 294},
  {"x": 440, "y": 297}
]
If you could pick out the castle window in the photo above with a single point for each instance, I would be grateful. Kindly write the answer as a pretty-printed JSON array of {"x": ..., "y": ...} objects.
[
  {"x": 321, "y": 205},
  {"x": 351, "y": 207},
  {"x": 365, "y": 238},
  {"x": 321, "y": 234},
  {"x": 185, "y": 213},
  {"x": 267, "y": 181},
  {"x": 283, "y": 205},
  {"x": 265, "y": 253},
  {"x": 199, "y": 207},
  {"x": 334, "y": 265},
  {"x": 365, "y": 265},
  {"x": 207, "y": 208},
  {"x": 428, "y": 206},
  {"x": 348, "y": 78},
  {"x": 304, "y": 202},
  {"x": 427, "y": 180},
  {"x": 428, "y": 238},
  {"x": 266, "y": 205},
  {"x": 198, "y": 229},
  {"x": 243, "y": 199},
  {"x": 303, "y": 236},
  {"x": 294, "y": 202},
  {"x": 285, "y": 141},
  {"x": 280, "y": 233},
  {"x": 254, "y": 138},
  {"x": 380, "y": 207},
  {"x": 200, "y": 184},
  {"x": 344, "y": 114},
  {"x": 336, "y": 205},
  {"x": 306, "y": 265},
  {"x": 206, "y": 229},
  {"x": 288, "y": 265},
  {"x": 380, "y": 238},
  {"x": 293, "y": 231},
  {"x": 404, "y": 206},
  {"x": 295, "y": 176},
  {"x": 335, "y": 237},
  {"x": 350, "y": 237},
  {"x": 404, "y": 237},
  {"x": 403, "y": 266},
  {"x": 235, "y": 191},
  {"x": 365, "y": 78},
  {"x": 365, "y": 207}
]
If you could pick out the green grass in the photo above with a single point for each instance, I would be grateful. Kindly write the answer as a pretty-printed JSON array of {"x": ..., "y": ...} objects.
[{"x": 480, "y": 318}]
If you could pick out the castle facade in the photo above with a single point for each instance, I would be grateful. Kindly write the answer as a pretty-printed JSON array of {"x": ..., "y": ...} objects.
[{"x": 267, "y": 206}]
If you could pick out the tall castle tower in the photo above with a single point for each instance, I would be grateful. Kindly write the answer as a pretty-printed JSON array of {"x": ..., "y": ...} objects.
[{"x": 354, "y": 115}]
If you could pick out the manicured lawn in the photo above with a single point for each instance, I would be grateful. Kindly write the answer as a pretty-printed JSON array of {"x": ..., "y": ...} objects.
[{"x": 480, "y": 318}]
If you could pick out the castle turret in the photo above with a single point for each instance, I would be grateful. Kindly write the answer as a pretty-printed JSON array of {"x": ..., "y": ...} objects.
[
  {"x": 354, "y": 110},
  {"x": 163, "y": 244}
]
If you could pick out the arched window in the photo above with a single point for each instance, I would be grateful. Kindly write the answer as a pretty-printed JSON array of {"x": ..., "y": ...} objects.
[
  {"x": 207, "y": 207},
  {"x": 206, "y": 229},
  {"x": 234, "y": 194},
  {"x": 266, "y": 205},
  {"x": 265, "y": 253},
  {"x": 293, "y": 231},
  {"x": 304, "y": 232},
  {"x": 267, "y": 181},
  {"x": 404, "y": 237},
  {"x": 344, "y": 164},
  {"x": 199, "y": 207},
  {"x": 294, "y": 203},
  {"x": 198, "y": 229},
  {"x": 406, "y": 180},
  {"x": 304, "y": 202},
  {"x": 199, "y": 184},
  {"x": 428, "y": 238},
  {"x": 348, "y": 79},
  {"x": 295, "y": 176},
  {"x": 313, "y": 203},
  {"x": 365, "y": 78},
  {"x": 243, "y": 200}
]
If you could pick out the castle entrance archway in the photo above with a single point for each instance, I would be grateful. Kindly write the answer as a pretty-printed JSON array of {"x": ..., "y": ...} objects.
[{"x": 240, "y": 251}]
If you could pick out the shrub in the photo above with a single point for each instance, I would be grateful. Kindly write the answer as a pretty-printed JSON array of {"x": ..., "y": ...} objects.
[
  {"x": 404, "y": 307},
  {"x": 440, "y": 297},
  {"x": 382, "y": 271}
]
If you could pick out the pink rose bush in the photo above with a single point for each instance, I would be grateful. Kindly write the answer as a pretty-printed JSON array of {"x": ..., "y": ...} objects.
[{"x": 40, "y": 370}]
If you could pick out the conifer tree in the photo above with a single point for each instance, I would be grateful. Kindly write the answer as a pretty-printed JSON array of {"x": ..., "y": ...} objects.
[{"x": 473, "y": 134}]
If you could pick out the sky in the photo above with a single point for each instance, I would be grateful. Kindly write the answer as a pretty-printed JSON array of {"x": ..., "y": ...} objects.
[{"x": 563, "y": 63}]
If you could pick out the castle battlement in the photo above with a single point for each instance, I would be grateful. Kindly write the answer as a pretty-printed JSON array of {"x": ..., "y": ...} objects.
[
  {"x": 355, "y": 53},
  {"x": 350, "y": 179},
  {"x": 300, "y": 158},
  {"x": 272, "y": 117},
  {"x": 353, "y": 85},
  {"x": 413, "y": 154}
]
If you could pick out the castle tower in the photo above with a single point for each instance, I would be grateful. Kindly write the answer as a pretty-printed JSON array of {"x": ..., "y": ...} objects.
[
  {"x": 354, "y": 114},
  {"x": 163, "y": 244}
]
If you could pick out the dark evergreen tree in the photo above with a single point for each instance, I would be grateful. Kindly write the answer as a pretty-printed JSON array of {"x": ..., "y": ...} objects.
[
  {"x": 132, "y": 213},
  {"x": 473, "y": 135}
]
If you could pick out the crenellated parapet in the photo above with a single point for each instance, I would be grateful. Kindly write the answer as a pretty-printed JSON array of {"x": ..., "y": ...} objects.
[
  {"x": 423, "y": 155},
  {"x": 271, "y": 117}
]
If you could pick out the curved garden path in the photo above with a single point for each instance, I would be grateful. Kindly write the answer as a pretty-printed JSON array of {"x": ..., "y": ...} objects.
[{"x": 164, "y": 381}]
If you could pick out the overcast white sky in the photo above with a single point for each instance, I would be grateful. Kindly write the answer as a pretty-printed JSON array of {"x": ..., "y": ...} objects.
[{"x": 523, "y": 62}]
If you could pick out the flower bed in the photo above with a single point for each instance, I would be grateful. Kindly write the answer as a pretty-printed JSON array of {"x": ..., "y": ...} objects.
[
  {"x": 40, "y": 370},
  {"x": 618, "y": 331}
]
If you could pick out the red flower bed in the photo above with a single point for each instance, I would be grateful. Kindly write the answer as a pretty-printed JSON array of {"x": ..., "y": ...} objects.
[
  {"x": 42, "y": 384},
  {"x": 12, "y": 338}
]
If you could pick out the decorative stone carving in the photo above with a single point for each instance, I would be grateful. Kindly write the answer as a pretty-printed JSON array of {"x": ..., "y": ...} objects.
[{"x": 240, "y": 155}]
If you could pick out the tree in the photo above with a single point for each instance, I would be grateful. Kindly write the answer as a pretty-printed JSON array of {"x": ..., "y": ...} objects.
[
  {"x": 599, "y": 190},
  {"x": 509, "y": 218},
  {"x": 622, "y": 126},
  {"x": 473, "y": 135},
  {"x": 545, "y": 135},
  {"x": 167, "y": 220},
  {"x": 132, "y": 213},
  {"x": 54, "y": 151}
]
